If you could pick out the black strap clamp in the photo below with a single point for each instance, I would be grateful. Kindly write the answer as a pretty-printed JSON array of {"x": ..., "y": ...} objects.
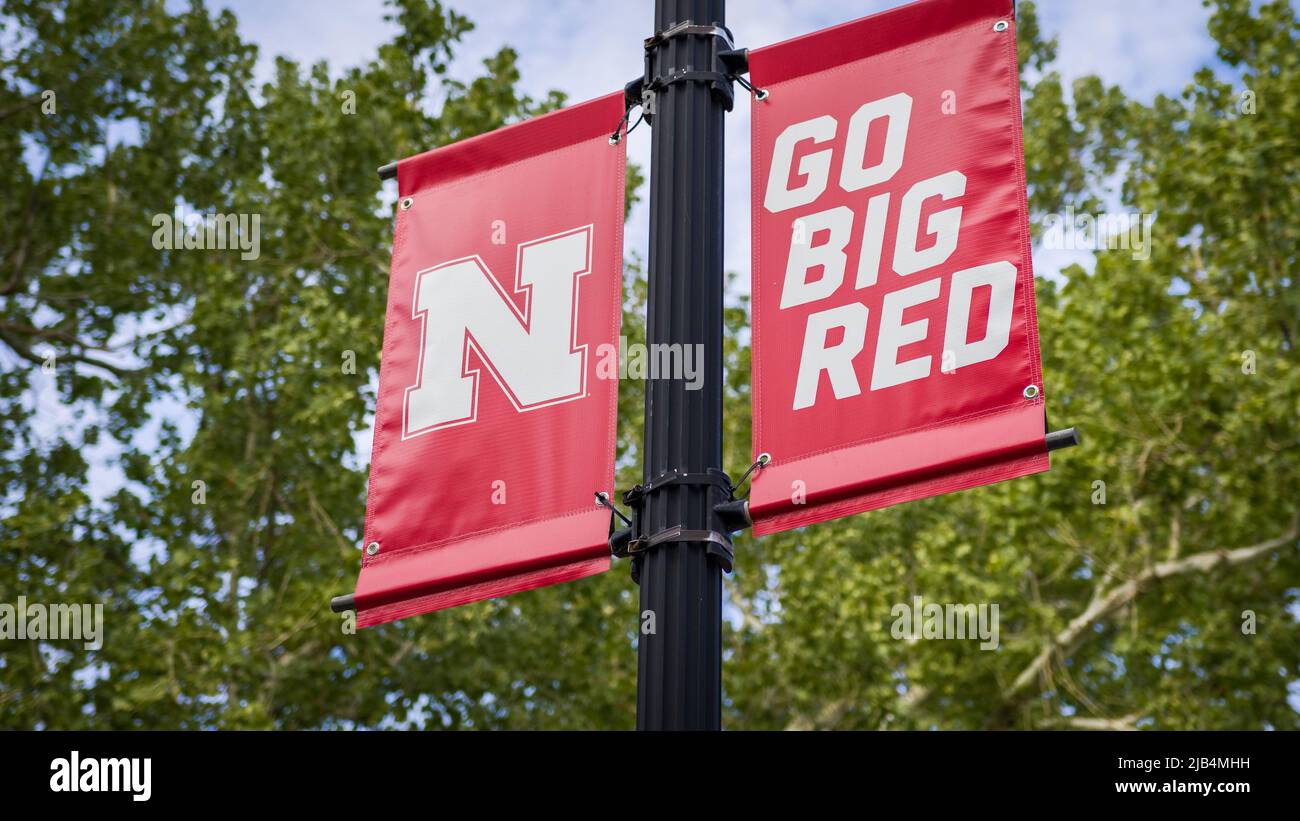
[
  {"x": 716, "y": 74},
  {"x": 689, "y": 29},
  {"x": 726, "y": 65},
  {"x": 635, "y": 496},
  {"x": 633, "y": 540}
]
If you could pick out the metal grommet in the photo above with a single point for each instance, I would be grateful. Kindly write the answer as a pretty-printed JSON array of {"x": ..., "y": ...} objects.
[
  {"x": 1031, "y": 392},
  {"x": 760, "y": 94},
  {"x": 613, "y": 140},
  {"x": 407, "y": 202},
  {"x": 372, "y": 548},
  {"x": 764, "y": 458},
  {"x": 1001, "y": 26}
]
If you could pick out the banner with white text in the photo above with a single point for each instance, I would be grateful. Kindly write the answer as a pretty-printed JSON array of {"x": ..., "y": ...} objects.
[{"x": 895, "y": 342}]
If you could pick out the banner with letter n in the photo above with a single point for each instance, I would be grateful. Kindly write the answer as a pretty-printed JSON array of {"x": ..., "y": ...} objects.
[
  {"x": 895, "y": 342},
  {"x": 494, "y": 427}
]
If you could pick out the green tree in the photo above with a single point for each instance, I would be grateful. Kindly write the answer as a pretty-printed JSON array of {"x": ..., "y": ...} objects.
[
  {"x": 214, "y": 609},
  {"x": 1131, "y": 613},
  {"x": 185, "y": 368}
]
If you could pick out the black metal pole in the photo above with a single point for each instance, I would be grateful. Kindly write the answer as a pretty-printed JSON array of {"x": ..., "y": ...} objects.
[{"x": 679, "y": 669}]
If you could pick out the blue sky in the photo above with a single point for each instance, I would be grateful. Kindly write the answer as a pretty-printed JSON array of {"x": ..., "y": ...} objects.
[{"x": 587, "y": 48}]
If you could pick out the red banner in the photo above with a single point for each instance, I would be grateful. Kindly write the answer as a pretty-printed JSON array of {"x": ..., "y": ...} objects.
[
  {"x": 495, "y": 426},
  {"x": 895, "y": 344}
]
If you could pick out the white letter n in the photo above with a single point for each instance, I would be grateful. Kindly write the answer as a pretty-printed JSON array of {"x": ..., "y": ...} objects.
[{"x": 532, "y": 354}]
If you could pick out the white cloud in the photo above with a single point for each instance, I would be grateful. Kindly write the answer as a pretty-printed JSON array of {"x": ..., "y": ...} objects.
[
  {"x": 344, "y": 32},
  {"x": 1144, "y": 46}
]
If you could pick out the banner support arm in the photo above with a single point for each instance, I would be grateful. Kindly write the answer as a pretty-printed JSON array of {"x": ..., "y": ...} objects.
[
  {"x": 1058, "y": 439},
  {"x": 342, "y": 604}
]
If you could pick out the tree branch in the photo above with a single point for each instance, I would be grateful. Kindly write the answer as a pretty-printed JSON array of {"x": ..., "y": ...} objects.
[
  {"x": 24, "y": 242},
  {"x": 1104, "y": 605},
  {"x": 1128, "y": 722},
  {"x": 31, "y": 356},
  {"x": 825, "y": 718}
]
